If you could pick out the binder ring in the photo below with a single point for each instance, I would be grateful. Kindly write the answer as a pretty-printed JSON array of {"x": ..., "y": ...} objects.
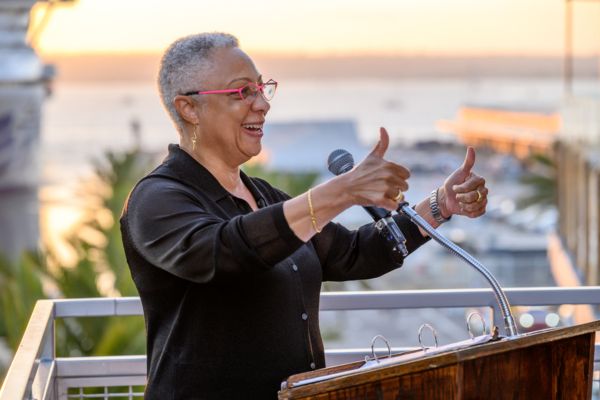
[
  {"x": 471, "y": 315},
  {"x": 433, "y": 332},
  {"x": 373, "y": 355}
]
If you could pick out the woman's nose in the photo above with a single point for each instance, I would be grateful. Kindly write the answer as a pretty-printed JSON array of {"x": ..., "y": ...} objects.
[{"x": 260, "y": 104}]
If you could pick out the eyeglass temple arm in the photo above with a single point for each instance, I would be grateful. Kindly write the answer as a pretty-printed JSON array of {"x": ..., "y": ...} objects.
[
  {"x": 218, "y": 91},
  {"x": 261, "y": 87}
]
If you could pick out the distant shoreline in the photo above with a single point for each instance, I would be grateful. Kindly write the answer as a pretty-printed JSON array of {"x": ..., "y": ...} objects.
[{"x": 143, "y": 67}]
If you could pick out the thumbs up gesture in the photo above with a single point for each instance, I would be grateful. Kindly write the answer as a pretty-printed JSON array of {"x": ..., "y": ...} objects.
[
  {"x": 463, "y": 192},
  {"x": 375, "y": 181}
]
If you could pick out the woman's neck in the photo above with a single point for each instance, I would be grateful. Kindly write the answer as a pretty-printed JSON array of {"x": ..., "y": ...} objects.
[{"x": 227, "y": 175}]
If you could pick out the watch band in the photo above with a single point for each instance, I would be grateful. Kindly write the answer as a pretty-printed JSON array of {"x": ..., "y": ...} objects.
[{"x": 435, "y": 208}]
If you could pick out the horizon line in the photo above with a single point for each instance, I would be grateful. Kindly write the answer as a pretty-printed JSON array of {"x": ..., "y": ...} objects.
[{"x": 305, "y": 55}]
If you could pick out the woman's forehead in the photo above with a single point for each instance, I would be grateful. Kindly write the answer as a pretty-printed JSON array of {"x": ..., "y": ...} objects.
[{"x": 231, "y": 64}]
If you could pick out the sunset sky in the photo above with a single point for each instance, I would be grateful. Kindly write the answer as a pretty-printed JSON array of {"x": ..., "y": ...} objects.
[{"x": 327, "y": 27}]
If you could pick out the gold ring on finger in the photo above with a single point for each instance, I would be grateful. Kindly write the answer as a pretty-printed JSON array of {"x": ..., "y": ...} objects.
[
  {"x": 479, "y": 196},
  {"x": 399, "y": 197}
]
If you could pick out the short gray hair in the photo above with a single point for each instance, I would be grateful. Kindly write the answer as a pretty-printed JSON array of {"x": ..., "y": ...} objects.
[{"x": 183, "y": 62}]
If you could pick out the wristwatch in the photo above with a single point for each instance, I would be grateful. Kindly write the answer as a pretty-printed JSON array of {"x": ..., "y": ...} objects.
[{"x": 435, "y": 208}]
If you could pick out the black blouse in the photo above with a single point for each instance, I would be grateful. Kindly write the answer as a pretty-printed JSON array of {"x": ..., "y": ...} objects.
[{"x": 231, "y": 295}]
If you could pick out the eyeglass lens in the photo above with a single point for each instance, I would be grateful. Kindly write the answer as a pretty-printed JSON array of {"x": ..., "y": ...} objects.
[
  {"x": 251, "y": 90},
  {"x": 269, "y": 90}
]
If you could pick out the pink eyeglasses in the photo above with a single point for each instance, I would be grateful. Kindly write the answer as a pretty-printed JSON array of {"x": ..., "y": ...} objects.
[{"x": 247, "y": 92}]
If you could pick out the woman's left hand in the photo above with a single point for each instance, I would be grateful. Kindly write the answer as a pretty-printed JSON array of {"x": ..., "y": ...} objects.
[{"x": 463, "y": 192}]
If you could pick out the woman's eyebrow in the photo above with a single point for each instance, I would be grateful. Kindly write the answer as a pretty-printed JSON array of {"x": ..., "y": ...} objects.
[{"x": 259, "y": 80}]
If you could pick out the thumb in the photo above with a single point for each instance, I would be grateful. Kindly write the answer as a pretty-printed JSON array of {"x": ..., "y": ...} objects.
[
  {"x": 382, "y": 145},
  {"x": 469, "y": 161}
]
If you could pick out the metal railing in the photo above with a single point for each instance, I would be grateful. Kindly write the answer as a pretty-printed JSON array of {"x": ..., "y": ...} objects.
[
  {"x": 577, "y": 158},
  {"x": 36, "y": 373}
]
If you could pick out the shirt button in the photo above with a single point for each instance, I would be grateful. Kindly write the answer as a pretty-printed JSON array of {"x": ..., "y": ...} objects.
[
  {"x": 304, "y": 316},
  {"x": 312, "y": 365},
  {"x": 294, "y": 267}
]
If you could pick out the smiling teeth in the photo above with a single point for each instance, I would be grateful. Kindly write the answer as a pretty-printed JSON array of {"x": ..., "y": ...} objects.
[{"x": 252, "y": 126}]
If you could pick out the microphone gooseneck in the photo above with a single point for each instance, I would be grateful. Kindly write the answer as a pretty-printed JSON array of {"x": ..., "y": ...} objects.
[
  {"x": 509, "y": 322},
  {"x": 341, "y": 161}
]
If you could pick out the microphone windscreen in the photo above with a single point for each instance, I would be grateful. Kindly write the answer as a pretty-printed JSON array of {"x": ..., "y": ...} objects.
[{"x": 340, "y": 161}]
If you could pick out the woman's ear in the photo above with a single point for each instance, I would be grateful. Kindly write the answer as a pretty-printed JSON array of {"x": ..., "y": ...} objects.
[{"x": 186, "y": 109}]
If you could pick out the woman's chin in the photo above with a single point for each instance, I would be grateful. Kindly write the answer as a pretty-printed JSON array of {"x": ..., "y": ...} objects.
[
  {"x": 252, "y": 151},
  {"x": 251, "y": 145}
]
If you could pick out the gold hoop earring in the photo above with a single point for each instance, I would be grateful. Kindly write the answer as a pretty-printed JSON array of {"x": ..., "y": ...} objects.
[{"x": 194, "y": 138}]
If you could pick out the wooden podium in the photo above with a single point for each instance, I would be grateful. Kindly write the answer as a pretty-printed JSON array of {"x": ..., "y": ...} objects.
[{"x": 550, "y": 364}]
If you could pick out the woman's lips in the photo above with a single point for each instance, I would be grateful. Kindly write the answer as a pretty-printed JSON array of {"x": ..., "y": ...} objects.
[{"x": 253, "y": 131}]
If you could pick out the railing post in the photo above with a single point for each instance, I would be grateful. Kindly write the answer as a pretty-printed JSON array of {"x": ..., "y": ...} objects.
[
  {"x": 19, "y": 378},
  {"x": 594, "y": 224},
  {"x": 43, "y": 382}
]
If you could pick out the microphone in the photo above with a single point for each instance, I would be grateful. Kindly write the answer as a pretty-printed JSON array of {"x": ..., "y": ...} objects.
[{"x": 340, "y": 161}]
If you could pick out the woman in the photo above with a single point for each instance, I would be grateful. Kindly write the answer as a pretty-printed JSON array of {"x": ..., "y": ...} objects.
[{"x": 229, "y": 268}]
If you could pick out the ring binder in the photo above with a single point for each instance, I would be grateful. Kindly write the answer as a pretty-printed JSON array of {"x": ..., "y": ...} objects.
[
  {"x": 471, "y": 315},
  {"x": 373, "y": 355},
  {"x": 433, "y": 332}
]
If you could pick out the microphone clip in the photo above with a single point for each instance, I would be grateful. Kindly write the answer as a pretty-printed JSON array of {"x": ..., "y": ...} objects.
[{"x": 389, "y": 230}]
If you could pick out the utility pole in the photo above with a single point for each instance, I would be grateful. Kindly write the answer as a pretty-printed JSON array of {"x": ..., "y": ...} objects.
[
  {"x": 568, "y": 56},
  {"x": 568, "y": 42},
  {"x": 23, "y": 84}
]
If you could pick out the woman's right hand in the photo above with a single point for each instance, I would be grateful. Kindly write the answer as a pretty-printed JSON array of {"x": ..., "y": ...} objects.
[{"x": 375, "y": 181}]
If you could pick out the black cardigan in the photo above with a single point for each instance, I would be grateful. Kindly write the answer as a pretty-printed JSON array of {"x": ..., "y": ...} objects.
[{"x": 231, "y": 296}]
